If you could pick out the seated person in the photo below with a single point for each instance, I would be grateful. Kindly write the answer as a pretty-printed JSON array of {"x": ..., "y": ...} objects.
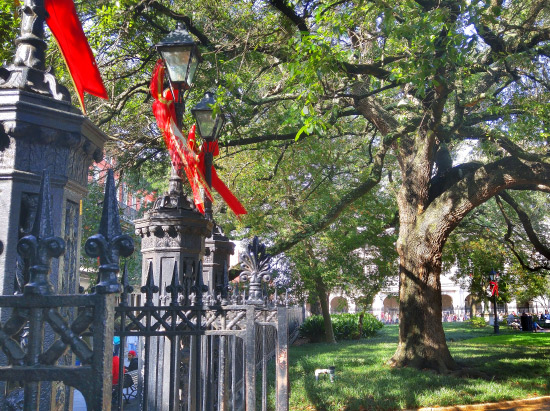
[
  {"x": 132, "y": 357},
  {"x": 116, "y": 364},
  {"x": 515, "y": 325},
  {"x": 536, "y": 326}
]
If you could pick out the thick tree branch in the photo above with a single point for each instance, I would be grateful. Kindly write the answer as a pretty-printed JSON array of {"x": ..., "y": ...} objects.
[
  {"x": 500, "y": 139},
  {"x": 140, "y": 7},
  {"x": 476, "y": 188},
  {"x": 527, "y": 226},
  {"x": 289, "y": 12},
  {"x": 141, "y": 87}
]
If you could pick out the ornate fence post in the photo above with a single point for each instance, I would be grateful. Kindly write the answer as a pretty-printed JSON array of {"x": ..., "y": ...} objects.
[
  {"x": 256, "y": 268},
  {"x": 281, "y": 360},
  {"x": 108, "y": 245},
  {"x": 39, "y": 360},
  {"x": 172, "y": 232},
  {"x": 38, "y": 248},
  {"x": 219, "y": 251}
]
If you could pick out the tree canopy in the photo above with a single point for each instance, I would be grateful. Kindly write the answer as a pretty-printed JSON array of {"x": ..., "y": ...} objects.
[{"x": 431, "y": 107}]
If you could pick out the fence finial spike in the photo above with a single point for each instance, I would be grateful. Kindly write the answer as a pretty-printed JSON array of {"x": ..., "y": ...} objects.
[
  {"x": 174, "y": 288},
  {"x": 126, "y": 287},
  {"x": 256, "y": 268},
  {"x": 41, "y": 245},
  {"x": 149, "y": 288},
  {"x": 109, "y": 243},
  {"x": 199, "y": 288},
  {"x": 43, "y": 225},
  {"x": 109, "y": 226},
  {"x": 225, "y": 287}
]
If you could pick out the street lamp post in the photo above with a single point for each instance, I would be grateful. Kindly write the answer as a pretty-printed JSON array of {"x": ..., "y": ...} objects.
[
  {"x": 181, "y": 57},
  {"x": 493, "y": 277},
  {"x": 209, "y": 126}
]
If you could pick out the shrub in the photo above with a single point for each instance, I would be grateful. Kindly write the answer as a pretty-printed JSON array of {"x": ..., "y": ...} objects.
[
  {"x": 345, "y": 327},
  {"x": 370, "y": 325},
  {"x": 313, "y": 328},
  {"x": 478, "y": 322}
]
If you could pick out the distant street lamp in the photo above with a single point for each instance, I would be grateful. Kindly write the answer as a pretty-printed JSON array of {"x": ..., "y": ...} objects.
[
  {"x": 210, "y": 127},
  {"x": 181, "y": 57},
  {"x": 493, "y": 281}
]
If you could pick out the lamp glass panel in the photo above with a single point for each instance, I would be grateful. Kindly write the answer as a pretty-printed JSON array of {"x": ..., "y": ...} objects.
[
  {"x": 205, "y": 122},
  {"x": 177, "y": 63},
  {"x": 193, "y": 64}
]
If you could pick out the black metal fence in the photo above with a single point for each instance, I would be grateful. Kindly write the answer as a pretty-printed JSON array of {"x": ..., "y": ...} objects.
[
  {"x": 199, "y": 349},
  {"x": 207, "y": 356}
]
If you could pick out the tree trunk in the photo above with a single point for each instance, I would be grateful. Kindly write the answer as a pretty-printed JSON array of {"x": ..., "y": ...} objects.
[
  {"x": 422, "y": 236},
  {"x": 323, "y": 299},
  {"x": 473, "y": 308},
  {"x": 421, "y": 337}
]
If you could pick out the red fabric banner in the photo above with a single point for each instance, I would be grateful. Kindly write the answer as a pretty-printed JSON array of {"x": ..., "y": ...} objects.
[
  {"x": 184, "y": 158},
  {"x": 494, "y": 288},
  {"x": 63, "y": 22},
  {"x": 184, "y": 152},
  {"x": 218, "y": 185}
]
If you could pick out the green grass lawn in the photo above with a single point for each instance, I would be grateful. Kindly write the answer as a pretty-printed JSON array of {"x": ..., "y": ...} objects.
[{"x": 517, "y": 366}]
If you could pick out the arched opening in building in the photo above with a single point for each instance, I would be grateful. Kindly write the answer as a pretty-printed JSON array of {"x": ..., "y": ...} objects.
[
  {"x": 339, "y": 305},
  {"x": 448, "y": 311},
  {"x": 391, "y": 310},
  {"x": 524, "y": 306}
]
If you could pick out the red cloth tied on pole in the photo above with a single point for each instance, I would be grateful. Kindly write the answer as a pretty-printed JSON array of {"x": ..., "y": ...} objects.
[
  {"x": 184, "y": 158},
  {"x": 218, "y": 185},
  {"x": 494, "y": 288},
  {"x": 63, "y": 22}
]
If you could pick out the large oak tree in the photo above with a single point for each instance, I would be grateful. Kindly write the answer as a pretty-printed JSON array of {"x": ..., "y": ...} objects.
[{"x": 334, "y": 102}]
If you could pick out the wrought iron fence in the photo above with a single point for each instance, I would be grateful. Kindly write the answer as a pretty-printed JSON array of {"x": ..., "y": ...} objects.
[
  {"x": 35, "y": 355},
  {"x": 199, "y": 349},
  {"x": 213, "y": 351}
]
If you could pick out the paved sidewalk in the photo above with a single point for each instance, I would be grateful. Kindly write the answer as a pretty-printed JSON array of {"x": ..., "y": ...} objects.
[
  {"x": 531, "y": 404},
  {"x": 80, "y": 405}
]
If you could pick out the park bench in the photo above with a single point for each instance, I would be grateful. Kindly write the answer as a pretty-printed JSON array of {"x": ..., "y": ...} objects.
[{"x": 130, "y": 391}]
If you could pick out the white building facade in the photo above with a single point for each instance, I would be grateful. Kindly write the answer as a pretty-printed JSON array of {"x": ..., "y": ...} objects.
[{"x": 456, "y": 303}]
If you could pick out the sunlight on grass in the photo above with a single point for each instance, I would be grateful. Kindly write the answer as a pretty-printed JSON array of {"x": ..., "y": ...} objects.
[{"x": 516, "y": 365}]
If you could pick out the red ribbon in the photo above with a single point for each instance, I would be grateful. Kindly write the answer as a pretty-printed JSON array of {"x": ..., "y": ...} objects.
[
  {"x": 218, "y": 185},
  {"x": 182, "y": 154},
  {"x": 63, "y": 21},
  {"x": 494, "y": 288}
]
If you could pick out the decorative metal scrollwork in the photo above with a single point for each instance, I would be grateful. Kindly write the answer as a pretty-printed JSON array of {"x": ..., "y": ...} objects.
[
  {"x": 257, "y": 268},
  {"x": 41, "y": 245},
  {"x": 109, "y": 244}
]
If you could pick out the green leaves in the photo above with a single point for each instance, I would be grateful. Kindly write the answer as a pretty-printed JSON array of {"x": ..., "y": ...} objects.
[{"x": 9, "y": 28}]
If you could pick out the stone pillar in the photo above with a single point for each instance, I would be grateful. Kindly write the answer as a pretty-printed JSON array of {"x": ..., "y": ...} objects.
[
  {"x": 43, "y": 134},
  {"x": 40, "y": 129},
  {"x": 218, "y": 251},
  {"x": 173, "y": 231}
]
